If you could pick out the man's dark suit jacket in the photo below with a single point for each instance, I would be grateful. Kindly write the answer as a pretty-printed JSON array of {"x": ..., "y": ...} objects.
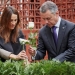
[
  {"x": 65, "y": 49},
  {"x": 12, "y": 47}
]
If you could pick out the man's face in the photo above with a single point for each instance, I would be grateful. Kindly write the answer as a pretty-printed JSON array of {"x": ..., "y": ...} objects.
[
  {"x": 50, "y": 18},
  {"x": 13, "y": 21}
]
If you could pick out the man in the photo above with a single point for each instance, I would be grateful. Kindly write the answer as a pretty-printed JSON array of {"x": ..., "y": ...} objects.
[{"x": 59, "y": 42}]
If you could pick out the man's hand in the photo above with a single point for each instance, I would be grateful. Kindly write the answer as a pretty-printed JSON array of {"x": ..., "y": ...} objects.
[{"x": 31, "y": 51}]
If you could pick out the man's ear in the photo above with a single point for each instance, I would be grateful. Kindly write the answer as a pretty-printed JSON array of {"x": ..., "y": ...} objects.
[{"x": 57, "y": 12}]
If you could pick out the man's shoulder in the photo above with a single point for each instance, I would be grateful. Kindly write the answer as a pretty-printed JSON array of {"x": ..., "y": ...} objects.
[
  {"x": 43, "y": 28},
  {"x": 67, "y": 22},
  {"x": 69, "y": 25}
]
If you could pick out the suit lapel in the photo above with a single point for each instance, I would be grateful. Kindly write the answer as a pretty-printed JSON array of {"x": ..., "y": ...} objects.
[
  {"x": 62, "y": 29},
  {"x": 50, "y": 38}
]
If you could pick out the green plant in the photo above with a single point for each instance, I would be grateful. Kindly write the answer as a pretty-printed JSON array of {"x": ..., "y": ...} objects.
[
  {"x": 11, "y": 67},
  {"x": 32, "y": 38},
  {"x": 50, "y": 68},
  {"x": 44, "y": 67},
  {"x": 23, "y": 42}
]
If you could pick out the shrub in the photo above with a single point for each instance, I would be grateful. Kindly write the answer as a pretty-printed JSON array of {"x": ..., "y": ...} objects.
[{"x": 44, "y": 67}]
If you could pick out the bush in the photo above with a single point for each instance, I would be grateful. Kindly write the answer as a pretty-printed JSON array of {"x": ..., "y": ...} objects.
[{"x": 44, "y": 67}]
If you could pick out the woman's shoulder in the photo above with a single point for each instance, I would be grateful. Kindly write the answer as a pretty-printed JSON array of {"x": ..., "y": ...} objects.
[
  {"x": 1, "y": 39},
  {"x": 21, "y": 33}
]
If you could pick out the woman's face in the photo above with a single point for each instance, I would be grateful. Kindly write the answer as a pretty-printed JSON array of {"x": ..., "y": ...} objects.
[{"x": 13, "y": 21}]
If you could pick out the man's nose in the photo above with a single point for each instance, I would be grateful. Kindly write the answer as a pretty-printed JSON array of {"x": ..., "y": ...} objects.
[{"x": 46, "y": 21}]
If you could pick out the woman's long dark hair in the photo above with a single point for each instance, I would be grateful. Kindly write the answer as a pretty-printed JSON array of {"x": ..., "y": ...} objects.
[{"x": 5, "y": 32}]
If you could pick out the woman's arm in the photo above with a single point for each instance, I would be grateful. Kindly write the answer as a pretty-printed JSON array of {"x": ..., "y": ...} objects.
[
  {"x": 4, "y": 54},
  {"x": 9, "y": 55}
]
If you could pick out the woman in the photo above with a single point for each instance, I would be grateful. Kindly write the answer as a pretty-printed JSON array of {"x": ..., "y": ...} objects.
[{"x": 10, "y": 33}]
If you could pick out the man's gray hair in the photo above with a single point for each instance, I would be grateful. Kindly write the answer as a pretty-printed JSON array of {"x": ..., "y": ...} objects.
[{"x": 49, "y": 5}]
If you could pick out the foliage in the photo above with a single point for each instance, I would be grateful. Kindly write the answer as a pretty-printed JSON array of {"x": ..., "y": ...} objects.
[
  {"x": 32, "y": 38},
  {"x": 51, "y": 68},
  {"x": 23, "y": 42},
  {"x": 44, "y": 67},
  {"x": 11, "y": 67}
]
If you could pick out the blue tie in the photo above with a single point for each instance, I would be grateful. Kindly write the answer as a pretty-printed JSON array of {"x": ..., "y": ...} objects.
[{"x": 54, "y": 34}]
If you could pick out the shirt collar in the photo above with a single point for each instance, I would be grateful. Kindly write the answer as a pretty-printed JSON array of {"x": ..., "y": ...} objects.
[{"x": 58, "y": 23}]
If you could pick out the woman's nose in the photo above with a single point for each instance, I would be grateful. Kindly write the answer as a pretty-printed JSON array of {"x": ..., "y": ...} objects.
[{"x": 13, "y": 22}]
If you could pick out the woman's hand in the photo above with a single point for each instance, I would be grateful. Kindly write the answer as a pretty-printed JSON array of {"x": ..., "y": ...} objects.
[{"x": 21, "y": 55}]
